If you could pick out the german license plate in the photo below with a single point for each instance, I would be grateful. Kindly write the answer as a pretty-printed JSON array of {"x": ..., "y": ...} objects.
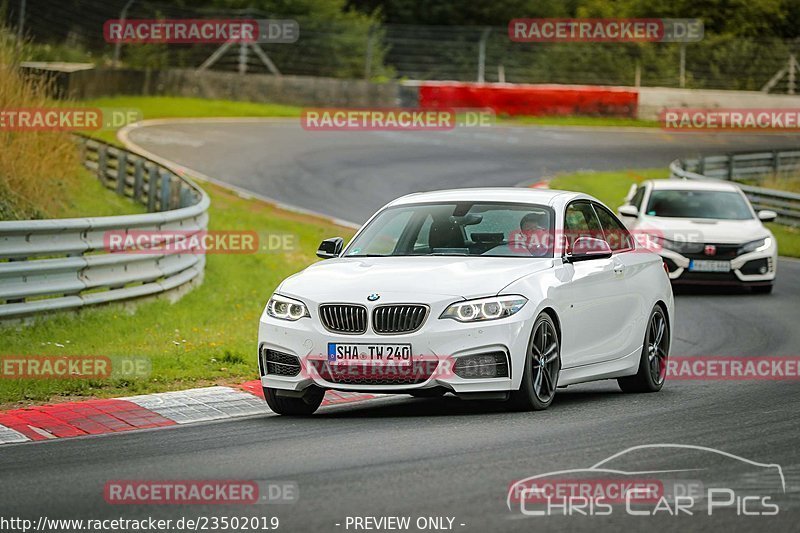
[
  {"x": 346, "y": 353},
  {"x": 704, "y": 265}
]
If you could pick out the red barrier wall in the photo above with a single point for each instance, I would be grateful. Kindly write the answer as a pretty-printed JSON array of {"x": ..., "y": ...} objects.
[{"x": 531, "y": 99}]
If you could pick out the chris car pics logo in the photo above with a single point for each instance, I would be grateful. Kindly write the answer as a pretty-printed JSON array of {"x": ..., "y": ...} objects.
[{"x": 655, "y": 480}]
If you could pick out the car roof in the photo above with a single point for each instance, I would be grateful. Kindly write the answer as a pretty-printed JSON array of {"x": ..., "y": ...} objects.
[
  {"x": 693, "y": 185},
  {"x": 523, "y": 195}
]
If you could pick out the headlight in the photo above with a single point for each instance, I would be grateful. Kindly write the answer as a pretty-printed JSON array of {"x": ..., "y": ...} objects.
[
  {"x": 485, "y": 308},
  {"x": 682, "y": 247},
  {"x": 285, "y": 308},
  {"x": 755, "y": 246}
]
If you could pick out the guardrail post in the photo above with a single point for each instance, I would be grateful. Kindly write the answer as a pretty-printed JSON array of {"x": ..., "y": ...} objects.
[
  {"x": 701, "y": 165},
  {"x": 138, "y": 178},
  {"x": 152, "y": 187},
  {"x": 82, "y": 148},
  {"x": 185, "y": 196},
  {"x": 102, "y": 162},
  {"x": 122, "y": 172},
  {"x": 166, "y": 182},
  {"x": 776, "y": 162}
]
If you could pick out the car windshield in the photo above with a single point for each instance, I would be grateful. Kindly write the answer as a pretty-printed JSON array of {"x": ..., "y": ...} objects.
[
  {"x": 464, "y": 228},
  {"x": 723, "y": 205}
]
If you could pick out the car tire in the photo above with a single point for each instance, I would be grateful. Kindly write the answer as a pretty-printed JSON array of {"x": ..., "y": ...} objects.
[
  {"x": 652, "y": 370},
  {"x": 304, "y": 406},
  {"x": 542, "y": 366},
  {"x": 762, "y": 289}
]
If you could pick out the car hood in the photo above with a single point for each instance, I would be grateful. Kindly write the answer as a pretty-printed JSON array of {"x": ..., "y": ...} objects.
[
  {"x": 345, "y": 279},
  {"x": 705, "y": 230}
]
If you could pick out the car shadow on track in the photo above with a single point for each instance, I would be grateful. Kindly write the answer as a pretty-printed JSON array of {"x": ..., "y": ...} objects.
[
  {"x": 450, "y": 406},
  {"x": 711, "y": 290}
]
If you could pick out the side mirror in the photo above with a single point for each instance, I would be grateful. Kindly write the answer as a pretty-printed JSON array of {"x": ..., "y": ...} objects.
[
  {"x": 631, "y": 192},
  {"x": 628, "y": 211},
  {"x": 767, "y": 215},
  {"x": 586, "y": 248},
  {"x": 330, "y": 248}
]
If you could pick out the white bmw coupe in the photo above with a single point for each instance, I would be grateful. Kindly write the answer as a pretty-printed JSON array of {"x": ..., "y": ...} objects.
[{"x": 496, "y": 293}]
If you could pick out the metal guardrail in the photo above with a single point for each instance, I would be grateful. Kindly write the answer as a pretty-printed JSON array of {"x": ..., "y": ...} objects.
[
  {"x": 48, "y": 265},
  {"x": 750, "y": 166}
]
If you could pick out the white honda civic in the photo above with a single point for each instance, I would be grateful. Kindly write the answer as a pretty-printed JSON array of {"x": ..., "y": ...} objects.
[
  {"x": 501, "y": 293},
  {"x": 706, "y": 231}
]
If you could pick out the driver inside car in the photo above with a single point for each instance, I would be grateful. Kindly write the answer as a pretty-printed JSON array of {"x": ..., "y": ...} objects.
[{"x": 535, "y": 233}]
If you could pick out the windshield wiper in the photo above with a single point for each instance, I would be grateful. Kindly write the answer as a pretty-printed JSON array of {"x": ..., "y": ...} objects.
[{"x": 448, "y": 253}]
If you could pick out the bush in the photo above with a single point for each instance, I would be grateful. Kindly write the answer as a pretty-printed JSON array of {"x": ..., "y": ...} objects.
[{"x": 36, "y": 167}]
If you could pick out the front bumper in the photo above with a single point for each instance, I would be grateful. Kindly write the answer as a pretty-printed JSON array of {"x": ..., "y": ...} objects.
[
  {"x": 750, "y": 269},
  {"x": 441, "y": 341}
]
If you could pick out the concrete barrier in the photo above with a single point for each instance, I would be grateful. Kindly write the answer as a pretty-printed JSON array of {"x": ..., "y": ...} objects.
[{"x": 652, "y": 100}]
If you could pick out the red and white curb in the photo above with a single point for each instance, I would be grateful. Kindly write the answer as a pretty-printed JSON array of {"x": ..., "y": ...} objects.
[{"x": 101, "y": 416}]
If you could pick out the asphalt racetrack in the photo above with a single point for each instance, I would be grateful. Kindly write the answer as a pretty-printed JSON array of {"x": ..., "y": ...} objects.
[{"x": 402, "y": 456}]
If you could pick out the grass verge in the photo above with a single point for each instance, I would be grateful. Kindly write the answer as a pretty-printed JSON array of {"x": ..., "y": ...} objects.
[
  {"x": 615, "y": 122},
  {"x": 153, "y": 107},
  {"x": 612, "y": 187}
]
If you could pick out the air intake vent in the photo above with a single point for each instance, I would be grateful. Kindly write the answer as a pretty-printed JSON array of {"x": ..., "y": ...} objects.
[
  {"x": 279, "y": 364},
  {"x": 344, "y": 318},
  {"x": 485, "y": 365},
  {"x": 396, "y": 319}
]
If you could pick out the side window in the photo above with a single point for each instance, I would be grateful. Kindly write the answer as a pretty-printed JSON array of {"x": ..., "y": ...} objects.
[
  {"x": 637, "y": 198},
  {"x": 615, "y": 233},
  {"x": 580, "y": 221}
]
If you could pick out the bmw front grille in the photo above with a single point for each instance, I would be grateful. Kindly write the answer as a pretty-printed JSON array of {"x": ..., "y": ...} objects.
[
  {"x": 344, "y": 318},
  {"x": 394, "y": 319}
]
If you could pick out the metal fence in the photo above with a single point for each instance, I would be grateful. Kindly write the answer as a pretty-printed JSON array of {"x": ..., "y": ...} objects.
[
  {"x": 348, "y": 48},
  {"x": 49, "y": 265},
  {"x": 749, "y": 168}
]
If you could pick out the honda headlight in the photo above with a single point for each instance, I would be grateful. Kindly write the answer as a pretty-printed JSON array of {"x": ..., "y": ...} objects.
[
  {"x": 680, "y": 246},
  {"x": 285, "y": 308},
  {"x": 485, "y": 308},
  {"x": 755, "y": 246}
]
